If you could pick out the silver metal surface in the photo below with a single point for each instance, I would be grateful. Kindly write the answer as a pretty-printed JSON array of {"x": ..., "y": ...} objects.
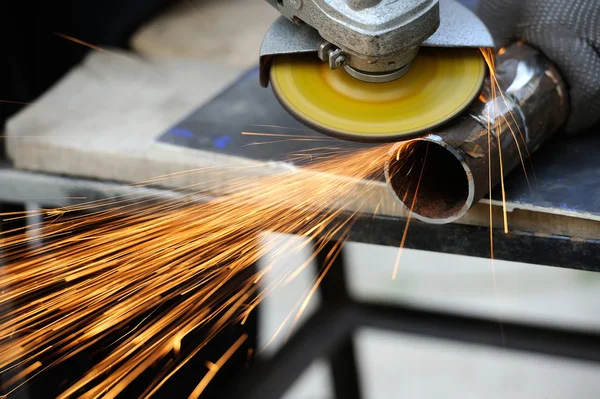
[
  {"x": 334, "y": 56},
  {"x": 272, "y": 3},
  {"x": 458, "y": 27},
  {"x": 377, "y": 77},
  {"x": 52, "y": 191},
  {"x": 286, "y": 38},
  {"x": 378, "y": 34},
  {"x": 534, "y": 105}
]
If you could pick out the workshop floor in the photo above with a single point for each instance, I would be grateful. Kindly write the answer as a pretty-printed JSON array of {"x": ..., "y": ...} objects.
[{"x": 400, "y": 366}]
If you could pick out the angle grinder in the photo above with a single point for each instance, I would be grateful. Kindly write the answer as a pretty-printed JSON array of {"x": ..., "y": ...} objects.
[{"x": 374, "y": 70}]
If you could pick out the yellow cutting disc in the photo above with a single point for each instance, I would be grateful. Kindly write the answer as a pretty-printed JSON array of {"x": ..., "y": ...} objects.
[{"x": 439, "y": 85}]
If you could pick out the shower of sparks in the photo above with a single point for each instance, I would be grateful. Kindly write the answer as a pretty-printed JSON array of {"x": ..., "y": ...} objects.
[
  {"x": 497, "y": 94},
  {"x": 488, "y": 55},
  {"x": 154, "y": 271},
  {"x": 137, "y": 276},
  {"x": 499, "y": 122}
]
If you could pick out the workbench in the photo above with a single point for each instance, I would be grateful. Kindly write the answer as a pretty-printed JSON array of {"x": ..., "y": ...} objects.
[
  {"x": 555, "y": 223},
  {"x": 99, "y": 130}
]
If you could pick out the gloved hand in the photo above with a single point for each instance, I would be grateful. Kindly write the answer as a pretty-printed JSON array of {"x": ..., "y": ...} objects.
[{"x": 568, "y": 33}]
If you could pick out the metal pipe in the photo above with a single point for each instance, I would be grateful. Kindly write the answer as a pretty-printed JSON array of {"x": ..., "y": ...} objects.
[{"x": 532, "y": 106}]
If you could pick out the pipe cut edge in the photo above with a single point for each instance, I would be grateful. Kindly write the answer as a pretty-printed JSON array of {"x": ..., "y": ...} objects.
[
  {"x": 446, "y": 191},
  {"x": 442, "y": 175}
]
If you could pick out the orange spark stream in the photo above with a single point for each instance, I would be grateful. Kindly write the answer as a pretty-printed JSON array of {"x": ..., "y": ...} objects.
[
  {"x": 494, "y": 90},
  {"x": 83, "y": 43},
  {"x": 495, "y": 129},
  {"x": 160, "y": 270},
  {"x": 412, "y": 207}
]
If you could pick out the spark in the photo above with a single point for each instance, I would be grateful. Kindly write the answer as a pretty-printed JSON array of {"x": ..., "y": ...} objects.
[
  {"x": 13, "y": 102},
  {"x": 215, "y": 367},
  {"x": 408, "y": 219},
  {"x": 90, "y": 45},
  {"x": 136, "y": 275},
  {"x": 83, "y": 43},
  {"x": 31, "y": 368},
  {"x": 280, "y": 127},
  {"x": 495, "y": 88},
  {"x": 283, "y": 135},
  {"x": 490, "y": 174},
  {"x": 257, "y": 143},
  {"x": 329, "y": 261},
  {"x": 497, "y": 94},
  {"x": 79, "y": 41}
]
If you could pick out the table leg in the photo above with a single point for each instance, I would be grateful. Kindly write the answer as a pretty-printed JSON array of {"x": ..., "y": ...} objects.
[{"x": 334, "y": 292}]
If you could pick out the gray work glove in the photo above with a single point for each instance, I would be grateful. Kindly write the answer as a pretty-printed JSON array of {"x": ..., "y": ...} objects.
[{"x": 568, "y": 33}]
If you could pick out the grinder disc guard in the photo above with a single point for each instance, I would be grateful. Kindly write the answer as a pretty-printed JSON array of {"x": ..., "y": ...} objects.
[{"x": 440, "y": 84}]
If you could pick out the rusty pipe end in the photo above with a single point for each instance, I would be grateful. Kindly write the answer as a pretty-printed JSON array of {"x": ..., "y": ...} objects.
[
  {"x": 446, "y": 189},
  {"x": 474, "y": 152}
]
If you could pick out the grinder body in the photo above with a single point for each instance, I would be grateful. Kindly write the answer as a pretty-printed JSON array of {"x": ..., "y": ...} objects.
[
  {"x": 367, "y": 55},
  {"x": 366, "y": 35}
]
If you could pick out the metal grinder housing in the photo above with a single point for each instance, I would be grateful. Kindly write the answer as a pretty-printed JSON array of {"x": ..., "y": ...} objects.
[{"x": 374, "y": 40}]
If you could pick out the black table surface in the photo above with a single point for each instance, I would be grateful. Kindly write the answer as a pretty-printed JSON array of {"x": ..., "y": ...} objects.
[{"x": 564, "y": 175}]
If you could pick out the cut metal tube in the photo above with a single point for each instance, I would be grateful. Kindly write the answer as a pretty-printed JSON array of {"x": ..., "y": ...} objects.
[{"x": 532, "y": 105}]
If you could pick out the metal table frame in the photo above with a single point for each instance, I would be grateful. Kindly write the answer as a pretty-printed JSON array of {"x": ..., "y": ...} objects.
[{"x": 329, "y": 332}]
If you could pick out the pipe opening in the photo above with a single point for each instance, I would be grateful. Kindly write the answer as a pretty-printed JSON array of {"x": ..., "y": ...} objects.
[{"x": 444, "y": 188}]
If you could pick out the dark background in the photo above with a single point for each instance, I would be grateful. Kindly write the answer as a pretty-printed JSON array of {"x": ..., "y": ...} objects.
[{"x": 33, "y": 57}]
